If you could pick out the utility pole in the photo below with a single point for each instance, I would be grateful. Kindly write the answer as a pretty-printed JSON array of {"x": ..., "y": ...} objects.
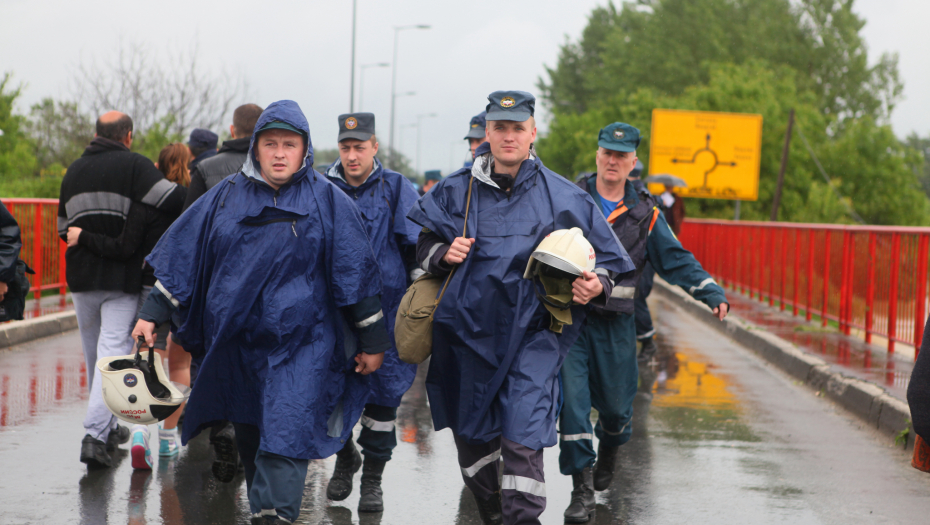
[
  {"x": 397, "y": 30},
  {"x": 352, "y": 81},
  {"x": 781, "y": 171}
]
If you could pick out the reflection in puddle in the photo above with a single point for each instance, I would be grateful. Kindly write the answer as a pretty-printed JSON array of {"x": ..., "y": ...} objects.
[{"x": 693, "y": 403}]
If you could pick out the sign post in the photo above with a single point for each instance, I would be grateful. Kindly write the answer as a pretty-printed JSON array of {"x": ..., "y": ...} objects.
[{"x": 717, "y": 154}]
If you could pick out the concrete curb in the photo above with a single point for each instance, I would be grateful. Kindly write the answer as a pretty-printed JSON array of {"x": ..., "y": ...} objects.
[
  {"x": 867, "y": 400},
  {"x": 19, "y": 332}
]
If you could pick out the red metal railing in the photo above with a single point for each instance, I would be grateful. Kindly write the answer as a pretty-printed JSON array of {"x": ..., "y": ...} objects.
[
  {"x": 873, "y": 278},
  {"x": 42, "y": 249}
]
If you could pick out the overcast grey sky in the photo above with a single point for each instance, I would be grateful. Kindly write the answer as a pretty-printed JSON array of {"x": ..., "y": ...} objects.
[{"x": 300, "y": 49}]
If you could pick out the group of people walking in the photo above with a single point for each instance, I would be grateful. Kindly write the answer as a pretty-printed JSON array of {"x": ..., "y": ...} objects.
[{"x": 282, "y": 284}]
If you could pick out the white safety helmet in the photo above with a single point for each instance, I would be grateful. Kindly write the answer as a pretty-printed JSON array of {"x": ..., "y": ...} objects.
[
  {"x": 566, "y": 250},
  {"x": 136, "y": 388},
  {"x": 559, "y": 259}
]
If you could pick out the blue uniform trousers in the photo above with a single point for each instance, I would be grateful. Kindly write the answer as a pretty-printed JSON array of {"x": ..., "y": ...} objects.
[
  {"x": 523, "y": 484},
  {"x": 274, "y": 483},
  {"x": 600, "y": 371},
  {"x": 378, "y": 438},
  {"x": 644, "y": 328}
]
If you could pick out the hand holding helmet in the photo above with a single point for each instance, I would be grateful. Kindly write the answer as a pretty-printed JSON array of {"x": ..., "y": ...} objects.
[
  {"x": 563, "y": 265},
  {"x": 136, "y": 388},
  {"x": 146, "y": 330},
  {"x": 586, "y": 287}
]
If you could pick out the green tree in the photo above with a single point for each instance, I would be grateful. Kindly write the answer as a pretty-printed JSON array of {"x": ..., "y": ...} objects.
[
  {"x": 60, "y": 131},
  {"x": 922, "y": 146},
  {"x": 670, "y": 45},
  {"x": 872, "y": 172},
  {"x": 17, "y": 159},
  {"x": 158, "y": 135}
]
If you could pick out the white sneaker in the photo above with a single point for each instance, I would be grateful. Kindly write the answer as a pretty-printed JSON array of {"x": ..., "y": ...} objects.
[{"x": 168, "y": 442}]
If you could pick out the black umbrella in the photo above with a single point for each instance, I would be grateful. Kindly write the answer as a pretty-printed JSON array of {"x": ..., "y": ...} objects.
[{"x": 667, "y": 179}]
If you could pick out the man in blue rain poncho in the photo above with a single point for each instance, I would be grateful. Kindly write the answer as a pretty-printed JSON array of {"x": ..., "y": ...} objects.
[
  {"x": 493, "y": 375},
  {"x": 383, "y": 197},
  {"x": 269, "y": 271}
]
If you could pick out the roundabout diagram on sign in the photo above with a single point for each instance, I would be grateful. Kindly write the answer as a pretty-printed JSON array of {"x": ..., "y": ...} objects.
[
  {"x": 706, "y": 149},
  {"x": 716, "y": 154}
]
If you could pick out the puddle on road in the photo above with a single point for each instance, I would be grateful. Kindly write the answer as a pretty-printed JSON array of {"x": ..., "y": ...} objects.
[{"x": 694, "y": 403}]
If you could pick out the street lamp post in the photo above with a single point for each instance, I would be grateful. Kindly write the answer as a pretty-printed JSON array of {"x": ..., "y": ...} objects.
[
  {"x": 361, "y": 81},
  {"x": 408, "y": 126},
  {"x": 352, "y": 81},
  {"x": 391, "y": 150},
  {"x": 419, "y": 128},
  {"x": 397, "y": 30}
]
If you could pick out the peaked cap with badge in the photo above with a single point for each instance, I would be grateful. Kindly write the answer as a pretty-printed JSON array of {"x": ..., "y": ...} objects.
[
  {"x": 477, "y": 125},
  {"x": 517, "y": 106},
  {"x": 619, "y": 136},
  {"x": 359, "y": 126}
]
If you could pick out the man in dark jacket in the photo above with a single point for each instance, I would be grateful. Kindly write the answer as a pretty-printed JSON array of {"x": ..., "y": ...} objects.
[
  {"x": 600, "y": 369},
  {"x": 202, "y": 144},
  {"x": 208, "y": 172},
  {"x": 10, "y": 244},
  {"x": 96, "y": 194}
]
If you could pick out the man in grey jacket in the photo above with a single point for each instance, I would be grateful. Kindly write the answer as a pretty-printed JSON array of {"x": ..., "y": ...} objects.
[{"x": 208, "y": 172}]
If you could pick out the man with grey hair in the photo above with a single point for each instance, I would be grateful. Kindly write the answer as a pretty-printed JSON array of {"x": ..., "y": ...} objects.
[{"x": 96, "y": 194}]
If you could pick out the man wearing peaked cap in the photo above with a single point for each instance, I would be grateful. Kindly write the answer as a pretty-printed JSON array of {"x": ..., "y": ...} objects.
[
  {"x": 202, "y": 144},
  {"x": 383, "y": 197},
  {"x": 261, "y": 271},
  {"x": 476, "y": 134},
  {"x": 430, "y": 178},
  {"x": 493, "y": 374},
  {"x": 600, "y": 369}
]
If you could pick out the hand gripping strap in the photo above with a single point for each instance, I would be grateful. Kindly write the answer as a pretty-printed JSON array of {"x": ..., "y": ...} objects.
[{"x": 464, "y": 229}]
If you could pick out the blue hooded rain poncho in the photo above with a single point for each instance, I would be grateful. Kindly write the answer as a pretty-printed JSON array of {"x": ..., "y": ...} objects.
[
  {"x": 384, "y": 200},
  {"x": 260, "y": 277},
  {"x": 495, "y": 362}
]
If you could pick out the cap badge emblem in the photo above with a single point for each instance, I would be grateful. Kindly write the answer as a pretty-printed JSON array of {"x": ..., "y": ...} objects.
[
  {"x": 474, "y": 125},
  {"x": 507, "y": 102},
  {"x": 130, "y": 380},
  {"x": 351, "y": 123},
  {"x": 619, "y": 134}
]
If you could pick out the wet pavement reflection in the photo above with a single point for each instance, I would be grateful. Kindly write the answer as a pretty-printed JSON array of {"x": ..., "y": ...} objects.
[
  {"x": 853, "y": 355},
  {"x": 719, "y": 438}
]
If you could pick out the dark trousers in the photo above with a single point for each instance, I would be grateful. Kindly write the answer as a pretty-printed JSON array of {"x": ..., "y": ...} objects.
[
  {"x": 275, "y": 483},
  {"x": 378, "y": 438},
  {"x": 644, "y": 328},
  {"x": 600, "y": 371},
  {"x": 523, "y": 487}
]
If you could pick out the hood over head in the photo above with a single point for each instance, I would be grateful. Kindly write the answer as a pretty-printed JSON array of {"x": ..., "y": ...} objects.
[{"x": 287, "y": 112}]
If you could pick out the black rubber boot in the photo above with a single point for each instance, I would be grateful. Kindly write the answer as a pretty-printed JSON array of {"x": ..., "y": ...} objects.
[
  {"x": 490, "y": 509},
  {"x": 225, "y": 453},
  {"x": 647, "y": 351},
  {"x": 348, "y": 461},
  {"x": 94, "y": 453},
  {"x": 581, "y": 508},
  {"x": 371, "y": 499},
  {"x": 604, "y": 467},
  {"x": 117, "y": 437}
]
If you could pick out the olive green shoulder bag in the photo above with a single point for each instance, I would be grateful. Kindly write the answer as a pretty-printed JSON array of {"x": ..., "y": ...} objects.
[{"x": 413, "y": 327}]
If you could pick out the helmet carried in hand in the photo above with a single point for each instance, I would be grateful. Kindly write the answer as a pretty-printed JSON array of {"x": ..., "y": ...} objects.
[
  {"x": 136, "y": 389},
  {"x": 560, "y": 258}
]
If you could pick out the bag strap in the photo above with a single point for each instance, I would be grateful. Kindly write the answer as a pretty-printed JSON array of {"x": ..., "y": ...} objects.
[{"x": 464, "y": 229}]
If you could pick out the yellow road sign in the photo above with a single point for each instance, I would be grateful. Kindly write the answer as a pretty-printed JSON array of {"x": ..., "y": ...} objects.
[{"x": 717, "y": 154}]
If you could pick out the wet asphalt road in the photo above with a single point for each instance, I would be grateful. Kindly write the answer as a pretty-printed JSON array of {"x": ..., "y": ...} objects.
[{"x": 724, "y": 439}]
